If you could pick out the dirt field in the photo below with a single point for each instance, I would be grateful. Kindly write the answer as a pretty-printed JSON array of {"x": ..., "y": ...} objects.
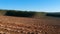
[{"x": 23, "y": 25}]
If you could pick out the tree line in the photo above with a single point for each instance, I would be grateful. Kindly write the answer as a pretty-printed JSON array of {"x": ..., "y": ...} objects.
[
  {"x": 20, "y": 13},
  {"x": 53, "y": 14}
]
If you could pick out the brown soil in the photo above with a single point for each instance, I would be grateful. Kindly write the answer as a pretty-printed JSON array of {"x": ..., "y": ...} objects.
[{"x": 21, "y": 25}]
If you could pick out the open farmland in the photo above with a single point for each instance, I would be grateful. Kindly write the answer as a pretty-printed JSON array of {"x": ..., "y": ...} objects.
[
  {"x": 20, "y": 22},
  {"x": 23, "y": 25}
]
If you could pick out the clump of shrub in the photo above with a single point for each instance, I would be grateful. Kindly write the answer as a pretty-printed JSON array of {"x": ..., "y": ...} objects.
[
  {"x": 19, "y": 13},
  {"x": 53, "y": 14}
]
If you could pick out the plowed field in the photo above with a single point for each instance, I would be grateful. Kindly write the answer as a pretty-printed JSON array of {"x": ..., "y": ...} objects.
[{"x": 23, "y": 25}]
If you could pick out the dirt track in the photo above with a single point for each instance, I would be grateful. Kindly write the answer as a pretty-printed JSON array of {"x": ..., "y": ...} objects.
[{"x": 20, "y": 25}]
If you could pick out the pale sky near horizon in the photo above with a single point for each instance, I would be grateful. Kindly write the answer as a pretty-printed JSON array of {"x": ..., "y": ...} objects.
[{"x": 31, "y": 5}]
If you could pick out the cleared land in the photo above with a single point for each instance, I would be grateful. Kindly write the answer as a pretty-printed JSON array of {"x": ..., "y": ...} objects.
[{"x": 21, "y": 25}]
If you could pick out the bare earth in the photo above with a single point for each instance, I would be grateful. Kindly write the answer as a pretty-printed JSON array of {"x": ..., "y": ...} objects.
[{"x": 21, "y": 25}]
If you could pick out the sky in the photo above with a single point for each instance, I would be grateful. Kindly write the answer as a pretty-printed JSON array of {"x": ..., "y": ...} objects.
[{"x": 31, "y": 5}]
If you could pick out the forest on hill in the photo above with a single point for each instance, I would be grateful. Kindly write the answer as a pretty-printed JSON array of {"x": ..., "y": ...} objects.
[{"x": 27, "y": 13}]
